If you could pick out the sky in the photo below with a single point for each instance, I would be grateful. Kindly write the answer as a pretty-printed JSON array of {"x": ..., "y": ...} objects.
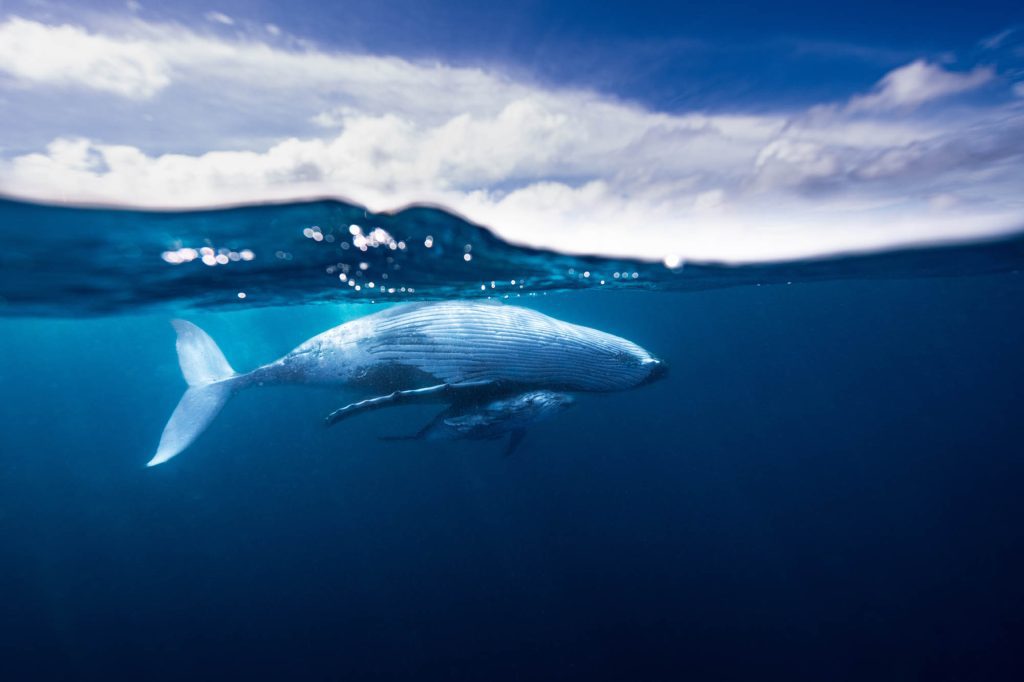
[{"x": 726, "y": 131}]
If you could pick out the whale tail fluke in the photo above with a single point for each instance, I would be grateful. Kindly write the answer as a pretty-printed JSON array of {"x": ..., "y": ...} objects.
[{"x": 210, "y": 384}]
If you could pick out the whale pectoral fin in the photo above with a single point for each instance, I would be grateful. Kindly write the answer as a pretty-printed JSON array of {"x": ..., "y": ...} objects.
[
  {"x": 393, "y": 398},
  {"x": 427, "y": 394},
  {"x": 514, "y": 439}
]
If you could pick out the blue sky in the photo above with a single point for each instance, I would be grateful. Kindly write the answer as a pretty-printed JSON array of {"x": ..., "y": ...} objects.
[
  {"x": 668, "y": 54},
  {"x": 723, "y": 130}
]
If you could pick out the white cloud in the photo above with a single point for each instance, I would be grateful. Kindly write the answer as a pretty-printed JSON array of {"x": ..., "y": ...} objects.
[
  {"x": 70, "y": 56},
  {"x": 219, "y": 18},
  {"x": 569, "y": 169},
  {"x": 709, "y": 201},
  {"x": 792, "y": 161},
  {"x": 995, "y": 41},
  {"x": 918, "y": 82},
  {"x": 141, "y": 59}
]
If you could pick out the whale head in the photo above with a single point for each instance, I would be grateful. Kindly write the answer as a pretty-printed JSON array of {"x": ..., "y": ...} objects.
[{"x": 657, "y": 369}]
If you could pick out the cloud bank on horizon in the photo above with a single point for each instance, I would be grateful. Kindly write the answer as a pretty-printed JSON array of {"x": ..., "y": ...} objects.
[{"x": 162, "y": 115}]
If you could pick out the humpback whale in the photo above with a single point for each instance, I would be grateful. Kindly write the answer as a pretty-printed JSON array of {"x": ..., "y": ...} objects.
[
  {"x": 462, "y": 353},
  {"x": 493, "y": 419}
]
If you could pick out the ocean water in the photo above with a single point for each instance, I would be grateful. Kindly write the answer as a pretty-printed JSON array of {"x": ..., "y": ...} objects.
[{"x": 826, "y": 486}]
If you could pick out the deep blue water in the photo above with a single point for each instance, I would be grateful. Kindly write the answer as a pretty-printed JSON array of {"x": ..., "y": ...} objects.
[{"x": 827, "y": 486}]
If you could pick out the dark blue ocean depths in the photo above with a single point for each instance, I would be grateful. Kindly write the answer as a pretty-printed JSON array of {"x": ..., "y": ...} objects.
[{"x": 828, "y": 485}]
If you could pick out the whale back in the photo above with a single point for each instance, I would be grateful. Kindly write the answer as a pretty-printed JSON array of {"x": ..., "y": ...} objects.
[{"x": 461, "y": 341}]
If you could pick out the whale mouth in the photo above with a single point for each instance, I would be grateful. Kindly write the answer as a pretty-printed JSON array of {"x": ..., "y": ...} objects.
[{"x": 658, "y": 370}]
